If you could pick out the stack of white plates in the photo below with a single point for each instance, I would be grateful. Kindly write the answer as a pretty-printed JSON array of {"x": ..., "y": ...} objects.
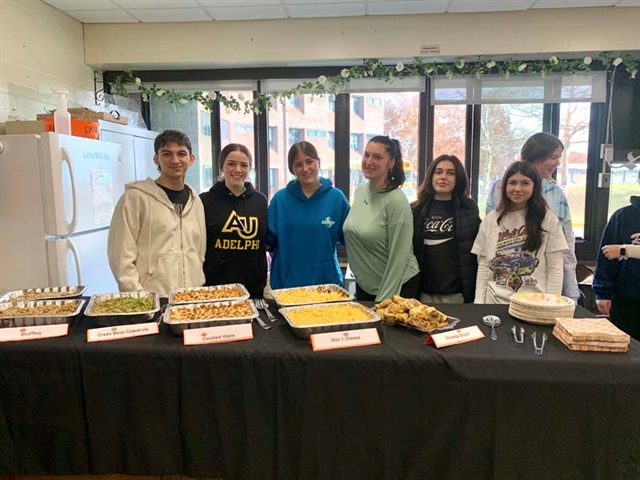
[{"x": 540, "y": 308}]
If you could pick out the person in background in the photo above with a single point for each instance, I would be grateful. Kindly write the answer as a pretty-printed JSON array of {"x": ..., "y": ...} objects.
[
  {"x": 616, "y": 283},
  {"x": 379, "y": 229},
  {"x": 520, "y": 244},
  {"x": 236, "y": 220},
  {"x": 544, "y": 152},
  {"x": 446, "y": 222},
  {"x": 157, "y": 235},
  {"x": 305, "y": 224}
]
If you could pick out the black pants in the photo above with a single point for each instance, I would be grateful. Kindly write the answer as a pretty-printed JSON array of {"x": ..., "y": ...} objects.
[
  {"x": 625, "y": 314},
  {"x": 409, "y": 290}
]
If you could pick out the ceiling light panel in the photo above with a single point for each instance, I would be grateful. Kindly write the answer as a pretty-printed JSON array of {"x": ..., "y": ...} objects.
[
  {"x": 103, "y": 16},
  {"x": 461, "y": 6},
  {"x": 143, "y": 4},
  {"x": 573, "y": 3},
  {"x": 322, "y": 10},
  {"x": 72, "y": 5},
  {"x": 407, "y": 7},
  {"x": 171, "y": 15},
  {"x": 247, "y": 13}
]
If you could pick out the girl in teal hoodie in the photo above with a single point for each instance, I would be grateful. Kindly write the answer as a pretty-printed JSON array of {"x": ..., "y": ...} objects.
[{"x": 305, "y": 224}]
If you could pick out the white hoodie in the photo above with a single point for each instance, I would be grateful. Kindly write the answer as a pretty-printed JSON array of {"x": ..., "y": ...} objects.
[{"x": 151, "y": 247}]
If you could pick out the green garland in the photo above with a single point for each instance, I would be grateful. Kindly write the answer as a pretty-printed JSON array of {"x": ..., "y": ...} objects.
[{"x": 374, "y": 68}]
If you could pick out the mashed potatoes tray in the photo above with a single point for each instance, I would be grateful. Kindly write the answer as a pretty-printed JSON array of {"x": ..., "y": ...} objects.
[{"x": 307, "y": 320}]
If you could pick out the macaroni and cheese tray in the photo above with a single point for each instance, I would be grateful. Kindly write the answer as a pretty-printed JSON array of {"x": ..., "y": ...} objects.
[
  {"x": 111, "y": 309},
  {"x": 212, "y": 314},
  {"x": 45, "y": 293},
  {"x": 306, "y": 320},
  {"x": 36, "y": 313},
  {"x": 216, "y": 293},
  {"x": 313, "y": 294}
]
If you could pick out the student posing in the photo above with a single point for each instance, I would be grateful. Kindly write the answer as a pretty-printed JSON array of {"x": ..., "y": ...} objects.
[
  {"x": 236, "y": 220},
  {"x": 544, "y": 152},
  {"x": 446, "y": 223},
  {"x": 305, "y": 224},
  {"x": 157, "y": 234},
  {"x": 379, "y": 229},
  {"x": 520, "y": 244}
]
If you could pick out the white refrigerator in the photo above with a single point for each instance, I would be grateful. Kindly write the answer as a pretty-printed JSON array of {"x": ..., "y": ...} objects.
[{"x": 57, "y": 196}]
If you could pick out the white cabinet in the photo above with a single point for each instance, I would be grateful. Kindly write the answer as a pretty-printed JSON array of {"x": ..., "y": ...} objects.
[{"x": 137, "y": 149}]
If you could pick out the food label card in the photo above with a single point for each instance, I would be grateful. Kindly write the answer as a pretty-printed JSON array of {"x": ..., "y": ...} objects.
[
  {"x": 106, "y": 334},
  {"x": 18, "y": 334},
  {"x": 454, "y": 337},
  {"x": 223, "y": 334},
  {"x": 344, "y": 339}
]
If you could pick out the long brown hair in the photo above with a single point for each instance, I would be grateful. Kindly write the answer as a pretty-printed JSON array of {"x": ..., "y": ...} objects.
[
  {"x": 536, "y": 205},
  {"x": 460, "y": 191},
  {"x": 396, "y": 176}
]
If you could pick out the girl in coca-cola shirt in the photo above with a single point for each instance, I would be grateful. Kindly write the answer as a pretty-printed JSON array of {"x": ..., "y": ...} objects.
[{"x": 446, "y": 223}]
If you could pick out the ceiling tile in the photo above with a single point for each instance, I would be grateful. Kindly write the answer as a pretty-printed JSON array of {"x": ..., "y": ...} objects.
[
  {"x": 171, "y": 15},
  {"x": 103, "y": 16},
  {"x": 247, "y": 13},
  {"x": 460, "y": 6},
  {"x": 407, "y": 7},
  {"x": 628, "y": 3},
  {"x": 324, "y": 2},
  {"x": 573, "y": 3},
  {"x": 66, "y": 5},
  {"x": 322, "y": 10},
  {"x": 140, "y": 4}
]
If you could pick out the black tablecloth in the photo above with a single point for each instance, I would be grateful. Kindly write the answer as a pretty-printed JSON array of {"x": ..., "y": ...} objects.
[{"x": 271, "y": 408}]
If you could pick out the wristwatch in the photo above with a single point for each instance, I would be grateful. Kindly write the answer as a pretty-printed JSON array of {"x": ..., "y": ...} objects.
[{"x": 623, "y": 252}]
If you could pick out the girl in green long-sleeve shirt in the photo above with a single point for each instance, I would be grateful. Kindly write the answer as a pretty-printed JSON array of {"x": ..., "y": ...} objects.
[{"x": 379, "y": 228}]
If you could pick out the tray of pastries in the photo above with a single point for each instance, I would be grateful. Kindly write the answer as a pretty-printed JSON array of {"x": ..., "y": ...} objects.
[
  {"x": 411, "y": 313},
  {"x": 540, "y": 308},
  {"x": 326, "y": 293},
  {"x": 44, "y": 293},
  {"x": 306, "y": 320},
  {"x": 41, "y": 312},
  {"x": 110, "y": 309},
  {"x": 215, "y": 293},
  {"x": 212, "y": 314}
]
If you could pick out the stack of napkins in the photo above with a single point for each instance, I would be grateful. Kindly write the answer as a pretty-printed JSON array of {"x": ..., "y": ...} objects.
[{"x": 591, "y": 334}]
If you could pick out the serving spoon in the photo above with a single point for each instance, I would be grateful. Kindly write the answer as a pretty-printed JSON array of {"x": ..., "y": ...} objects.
[{"x": 492, "y": 321}]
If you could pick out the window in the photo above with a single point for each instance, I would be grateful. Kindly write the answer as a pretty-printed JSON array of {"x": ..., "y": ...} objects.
[
  {"x": 295, "y": 135},
  {"x": 356, "y": 142},
  {"x": 296, "y": 102},
  {"x": 369, "y": 136},
  {"x": 624, "y": 184},
  {"x": 243, "y": 127},
  {"x": 272, "y": 133},
  {"x": 357, "y": 105},
  {"x": 224, "y": 130},
  {"x": 449, "y": 125},
  {"x": 374, "y": 101},
  {"x": 331, "y": 101},
  {"x": 331, "y": 141},
  {"x": 316, "y": 133},
  {"x": 205, "y": 123}
]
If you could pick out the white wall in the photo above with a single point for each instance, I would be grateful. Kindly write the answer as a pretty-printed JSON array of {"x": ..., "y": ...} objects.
[
  {"x": 342, "y": 40},
  {"x": 40, "y": 48}
]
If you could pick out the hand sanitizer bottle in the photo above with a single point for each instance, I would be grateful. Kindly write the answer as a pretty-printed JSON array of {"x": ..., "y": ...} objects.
[{"x": 61, "y": 117}]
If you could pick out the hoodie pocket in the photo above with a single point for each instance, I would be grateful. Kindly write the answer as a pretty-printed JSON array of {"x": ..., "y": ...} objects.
[{"x": 313, "y": 275}]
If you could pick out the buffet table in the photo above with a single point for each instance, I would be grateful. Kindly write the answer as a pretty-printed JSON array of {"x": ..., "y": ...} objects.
[{"x": 271, "y": 408}]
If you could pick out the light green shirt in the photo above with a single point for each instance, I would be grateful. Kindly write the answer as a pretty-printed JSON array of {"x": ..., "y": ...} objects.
[{"x": 378, "y": 234}]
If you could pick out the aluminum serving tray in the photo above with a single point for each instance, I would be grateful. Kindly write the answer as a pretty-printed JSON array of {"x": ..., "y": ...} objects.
[
  {"x": 179, "y": 326},
  {"x": 45, "y": 293},
  {"x": 244, "y": 294},
  {"x": 307, "y": 330},
  {"x": 37, "y": 320},
  {"x": 113, "y": 319},
  {"x": 328, "y": 287}
]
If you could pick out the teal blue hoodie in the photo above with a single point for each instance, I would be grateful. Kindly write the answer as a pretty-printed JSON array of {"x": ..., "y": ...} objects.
[{"x": 303, "y": 233}]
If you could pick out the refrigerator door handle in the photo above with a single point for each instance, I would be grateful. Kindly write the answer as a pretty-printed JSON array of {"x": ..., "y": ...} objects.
[
  {"x": 76, "y": 258},
  {"x": 66, "y": 157}
]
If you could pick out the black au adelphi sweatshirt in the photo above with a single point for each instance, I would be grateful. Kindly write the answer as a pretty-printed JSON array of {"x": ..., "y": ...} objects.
[{"x": 236, "y": 230}]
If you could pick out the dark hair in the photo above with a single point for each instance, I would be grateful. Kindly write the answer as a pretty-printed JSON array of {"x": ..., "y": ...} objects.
[
  {"x": 301, "y": 147},
  {"x": 396, "y": 176},
  {"x": 172, "y": 136},
  {"x": 539, "y": 147},
  {"x": 460, "y": 191},
  {"x": 536, "y": 205},
  {"x": 233, "y": 147}
]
